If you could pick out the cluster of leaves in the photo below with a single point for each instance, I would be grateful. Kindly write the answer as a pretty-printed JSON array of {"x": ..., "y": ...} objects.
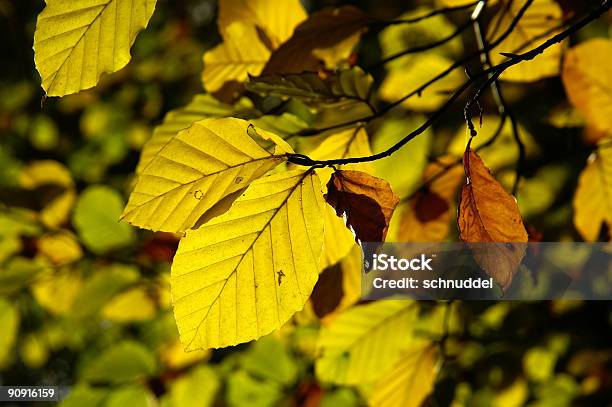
[{"x": 270, "y": 180}]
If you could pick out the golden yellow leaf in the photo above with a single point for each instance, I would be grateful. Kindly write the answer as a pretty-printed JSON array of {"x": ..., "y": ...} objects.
[
  {"x": 60, "y": 248},
  {"x": 364, "y": 341},
  {"x": 410, "y": 381},
  {"x": 427, "y": 216},
  {"x": 593, "y": 197},
  {"x": 541, "y": 19},
  {"x": 314, "y": 39},
  {"x": 488, "y": 214},
  {"x": 57, "y": 291},
  {"x": 245, "y": 273},
  {"x": 422, "y": 68},
  {"x": 345, "y": 144},
  {"x": 76, "y": 41},
  {"x": 277, "y": 19},
  {"x": 201, "y": 107},
  {"x": 135, "y": 304},
  {"x": 175, "y": 357},
  {"x": 588, "y": 83},
  {"x": 207, "y": 163},
  {"x": 49, "y": 172},
  {"x": 241, "y": 54}
]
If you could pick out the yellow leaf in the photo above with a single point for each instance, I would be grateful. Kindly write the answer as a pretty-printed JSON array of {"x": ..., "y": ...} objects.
[
  {"x": 201, "y": 107},
  {"x": 344, "y": 144},
  {"x": 60, "y": 248},
  {"x": 9, "y": 320},
  {"x": 245, "y": 273},
  {"x": 363, "y": 342},
  {"x": 207, "y": 163},
  {"x": 175, "y": 357},
  {"x": 488, "y": 214},
  {"x": 48, "y": 172},
  {"x": 427, "y": 215},
  {"x": 410, "y": 381},
  {"x": 588, "y": 83},
  {"x": 422, "y": 68},
  {"x": 540, "y": 19},
  {"x": 241, "y": 54},
  {"x": 326, "y": 31},
  {"x": 76, "y": 41},
  {"x": 593, "y": 197},
  {"x": 277, "y": 19},
  {"x": 56, "y": 292},
  {"x": 132, "y": 305}
]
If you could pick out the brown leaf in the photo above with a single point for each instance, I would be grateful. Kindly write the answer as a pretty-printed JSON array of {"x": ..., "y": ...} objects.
[
  {"x": 327, "y": 293},
  {"x": 365, "y": 202},
  {"x": 324, "y": 29},
  {"x": 428, "y": 213},
  {"x": 488, "y": 214}
]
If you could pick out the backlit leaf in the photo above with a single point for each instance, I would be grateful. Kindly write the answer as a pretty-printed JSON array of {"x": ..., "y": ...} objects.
[
  {"x": 245, "y": 273},
  {"x": 347, "y": 143},
  {"x": 410, "y": 381},
  {"x": 488, "y": 214},
  {"x": 542, "y": 18},
  {"x": 125, "y": 361},
  {"x": 76, "y": 41},
  {"x": 277, "y": 19},
  {"x": 593, "y": 197},
  {"x": 427, "y": 215},
  {"x": 348, "y": 85},
  {"x": 365, "y": 202},
  {"x": 364, "y": 341},
  {"x": 241, "y": 53},
  {"x": 9, "y": 321},
  {"x": 95, "y": 219},
  {"x": 201, "y": 107},
  {"x": 322, "y": 30},
  {"x": 209, "y": 162},
  {"x": 588, "y": 82},
  {"x": 421, "y": 69}
]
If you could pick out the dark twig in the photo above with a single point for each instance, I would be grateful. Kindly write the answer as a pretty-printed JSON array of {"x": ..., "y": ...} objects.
[
  {"x": 498, "y": 96},
  {"x": 492, "y": 75}
]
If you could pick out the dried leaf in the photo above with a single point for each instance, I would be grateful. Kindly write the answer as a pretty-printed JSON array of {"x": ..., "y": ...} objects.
[
  {"x": 365, "y": 202},
  {"x": 488, "y": 214}
]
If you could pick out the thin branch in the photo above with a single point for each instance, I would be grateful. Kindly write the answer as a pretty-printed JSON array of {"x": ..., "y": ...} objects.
[
  {"x": 433, "y": 13},
  {"x": 498, "y": 96},
  {"x": 492, "y": 75},
  {"x": 424, "y": 86}
]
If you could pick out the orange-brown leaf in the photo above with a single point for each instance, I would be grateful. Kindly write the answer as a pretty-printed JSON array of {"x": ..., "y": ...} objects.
[
  {"x": 488, "y": 214},
  {"x": 365, "y": 202}
]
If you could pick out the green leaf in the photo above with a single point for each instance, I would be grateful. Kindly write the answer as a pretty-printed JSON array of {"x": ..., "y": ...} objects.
[
  {"x": 364, "y": 341},
  {"x": 96, "y": 217},
  {"x": 244, "y": 390},
  {"x": 281, "y": 368},
  {"x": 344, "y": 86},
  {"x": 9, "y": 323},
  {"x": 76, "y": 41},
  {"x": 198, "y": 388},
  {"x": 123, "y": 362}
]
